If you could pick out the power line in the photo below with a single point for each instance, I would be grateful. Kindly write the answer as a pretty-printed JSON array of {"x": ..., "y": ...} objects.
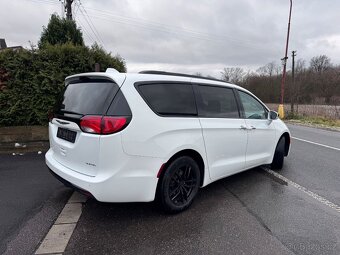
[
  {"x": 91, "y": 29},
  {"x": 181, "y": 33},
  {"x": 85, "y": 31},
  {"x": 151, "y": 25},
  {"x": 90, "y": 23}
]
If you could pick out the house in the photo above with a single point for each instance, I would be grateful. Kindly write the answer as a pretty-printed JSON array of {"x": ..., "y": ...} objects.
[{"x": 3, "y": 46}]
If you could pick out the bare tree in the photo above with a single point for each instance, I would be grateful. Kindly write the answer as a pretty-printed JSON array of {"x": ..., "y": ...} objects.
[
  {"x": 300, "y": 66},
  {"x": 268, "y": 69},
  {"x": 320, "y": 63},
  {"x": 233, "y": 74},
  {"x": 300, "y": 80},
  {"x": 317, "y": 82},
  {"x": 329, "y": 82}
]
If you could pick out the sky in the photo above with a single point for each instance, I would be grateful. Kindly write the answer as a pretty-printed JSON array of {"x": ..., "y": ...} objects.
[{"x": 188, "y": 36}]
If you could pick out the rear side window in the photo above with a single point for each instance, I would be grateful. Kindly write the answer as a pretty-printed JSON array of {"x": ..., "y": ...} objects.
[
  {"x": 119, "y": 106},
  {"x": 170, "y": 99},
  {"x": 90, "y": 98},
  {"x": 217, "y": 102}
]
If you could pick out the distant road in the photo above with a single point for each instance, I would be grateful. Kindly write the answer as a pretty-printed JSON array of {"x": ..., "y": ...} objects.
[
  {"x": 327, "y": 137},
  {"x": 314, "y": 166}
]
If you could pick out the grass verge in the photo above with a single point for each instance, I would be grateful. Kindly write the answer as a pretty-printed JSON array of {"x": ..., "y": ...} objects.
[{"x": 317, "y": 121}]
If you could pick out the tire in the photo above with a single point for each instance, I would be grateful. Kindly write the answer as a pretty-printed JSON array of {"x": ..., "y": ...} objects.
[
  {"x": 279, "y": 155},
  {"x": 179, "y": 185}
]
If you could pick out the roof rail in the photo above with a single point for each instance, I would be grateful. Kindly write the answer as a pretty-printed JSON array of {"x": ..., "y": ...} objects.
[{"x": 180, "y": 74}]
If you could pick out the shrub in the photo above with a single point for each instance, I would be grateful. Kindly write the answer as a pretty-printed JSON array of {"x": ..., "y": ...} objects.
[{"x": 35, "y": 77}]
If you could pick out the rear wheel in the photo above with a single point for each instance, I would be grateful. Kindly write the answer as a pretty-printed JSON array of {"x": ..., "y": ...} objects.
[
  {"x": 279, "y": 155},
  {"x": 179, "y": 184}
]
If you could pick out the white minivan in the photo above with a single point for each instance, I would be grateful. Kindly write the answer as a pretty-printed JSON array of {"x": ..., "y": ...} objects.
[{"x": 123, "y": 137}]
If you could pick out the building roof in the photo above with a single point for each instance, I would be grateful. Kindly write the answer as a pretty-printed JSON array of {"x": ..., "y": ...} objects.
[{"x": 3, "y": 46}]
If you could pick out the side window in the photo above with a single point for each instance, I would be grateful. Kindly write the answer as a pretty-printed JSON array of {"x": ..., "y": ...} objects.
[
  {"x": 170, "y": 99},
  {"x": 253, "y": 109},
  {"x": 217, "y": 102}
]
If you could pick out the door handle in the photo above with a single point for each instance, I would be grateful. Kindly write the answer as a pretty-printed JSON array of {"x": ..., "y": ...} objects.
[
  {"x": 243, "y": 127},
  {"x": 252, "y": 127}
]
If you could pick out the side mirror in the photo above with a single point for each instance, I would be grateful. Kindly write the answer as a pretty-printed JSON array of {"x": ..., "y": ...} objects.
[{"x": 272, "y": 115}]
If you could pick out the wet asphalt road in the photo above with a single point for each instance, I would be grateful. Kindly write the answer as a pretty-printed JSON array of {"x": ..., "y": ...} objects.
[
  {"x": 249, "y": 213},
  {"x": 315, "y": 167},
  {"x": 30, "y": 200}
]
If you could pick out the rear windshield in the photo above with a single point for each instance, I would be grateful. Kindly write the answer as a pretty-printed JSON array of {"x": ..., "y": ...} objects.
[{"x": 87, "y": 98}]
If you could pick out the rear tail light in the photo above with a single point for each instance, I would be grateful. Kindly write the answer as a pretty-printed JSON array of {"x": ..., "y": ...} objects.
[
  {"x": 91, "y": 124},
  {"x": 103, "y": 124},
  {"x": 113, "y": 124}
]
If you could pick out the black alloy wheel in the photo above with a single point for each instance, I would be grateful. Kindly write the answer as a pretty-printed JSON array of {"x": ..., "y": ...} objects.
[
  {"x": 182, "y": 183},
  {"x": 179, "y": 185}
]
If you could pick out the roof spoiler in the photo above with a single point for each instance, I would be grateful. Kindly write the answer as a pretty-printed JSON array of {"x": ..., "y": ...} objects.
[{"x": 111, "y": 70}]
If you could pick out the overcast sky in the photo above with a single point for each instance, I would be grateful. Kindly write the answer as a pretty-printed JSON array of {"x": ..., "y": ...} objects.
[{"x": 188, "y": 36}]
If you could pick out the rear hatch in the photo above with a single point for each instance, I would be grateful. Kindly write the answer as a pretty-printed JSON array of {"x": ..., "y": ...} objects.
[{"x": 83, "y": 97}]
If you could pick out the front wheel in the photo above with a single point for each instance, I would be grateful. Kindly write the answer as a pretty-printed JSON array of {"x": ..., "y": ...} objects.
[
  {"x": 179, "y": 184},
  {"x": 279, "y": 155}
]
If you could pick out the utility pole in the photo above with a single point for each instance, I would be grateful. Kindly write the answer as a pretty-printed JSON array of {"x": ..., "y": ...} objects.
[
  {"x": 281, "y": 107},
  {"x": 292, "y": 89},
  {"x": 68, "y": 9}
]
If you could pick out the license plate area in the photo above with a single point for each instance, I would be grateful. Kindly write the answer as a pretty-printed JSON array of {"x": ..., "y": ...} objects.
[{"x": 66, "y": 134}]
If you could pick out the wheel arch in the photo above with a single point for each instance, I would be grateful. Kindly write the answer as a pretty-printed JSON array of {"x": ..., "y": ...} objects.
[{"x": 187, "y": 152}]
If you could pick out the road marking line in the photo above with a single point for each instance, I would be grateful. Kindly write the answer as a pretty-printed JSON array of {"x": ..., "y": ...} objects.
[
  {"x": 57, "y": 239},
  {"x": 59, "y": 235},
  {"x": 70, "y": 214},
  {"x": 305, "y": 190},
  {"x": 320, "y": 144}
]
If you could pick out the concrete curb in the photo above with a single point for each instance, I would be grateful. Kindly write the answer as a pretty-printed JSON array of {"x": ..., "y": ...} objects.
[{"x": 60, "y": 233}]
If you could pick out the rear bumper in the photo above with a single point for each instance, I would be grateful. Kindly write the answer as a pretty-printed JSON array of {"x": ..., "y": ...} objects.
[
  {"x": 135, "y": 183},
  {"x": 70, "y": 185}
]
